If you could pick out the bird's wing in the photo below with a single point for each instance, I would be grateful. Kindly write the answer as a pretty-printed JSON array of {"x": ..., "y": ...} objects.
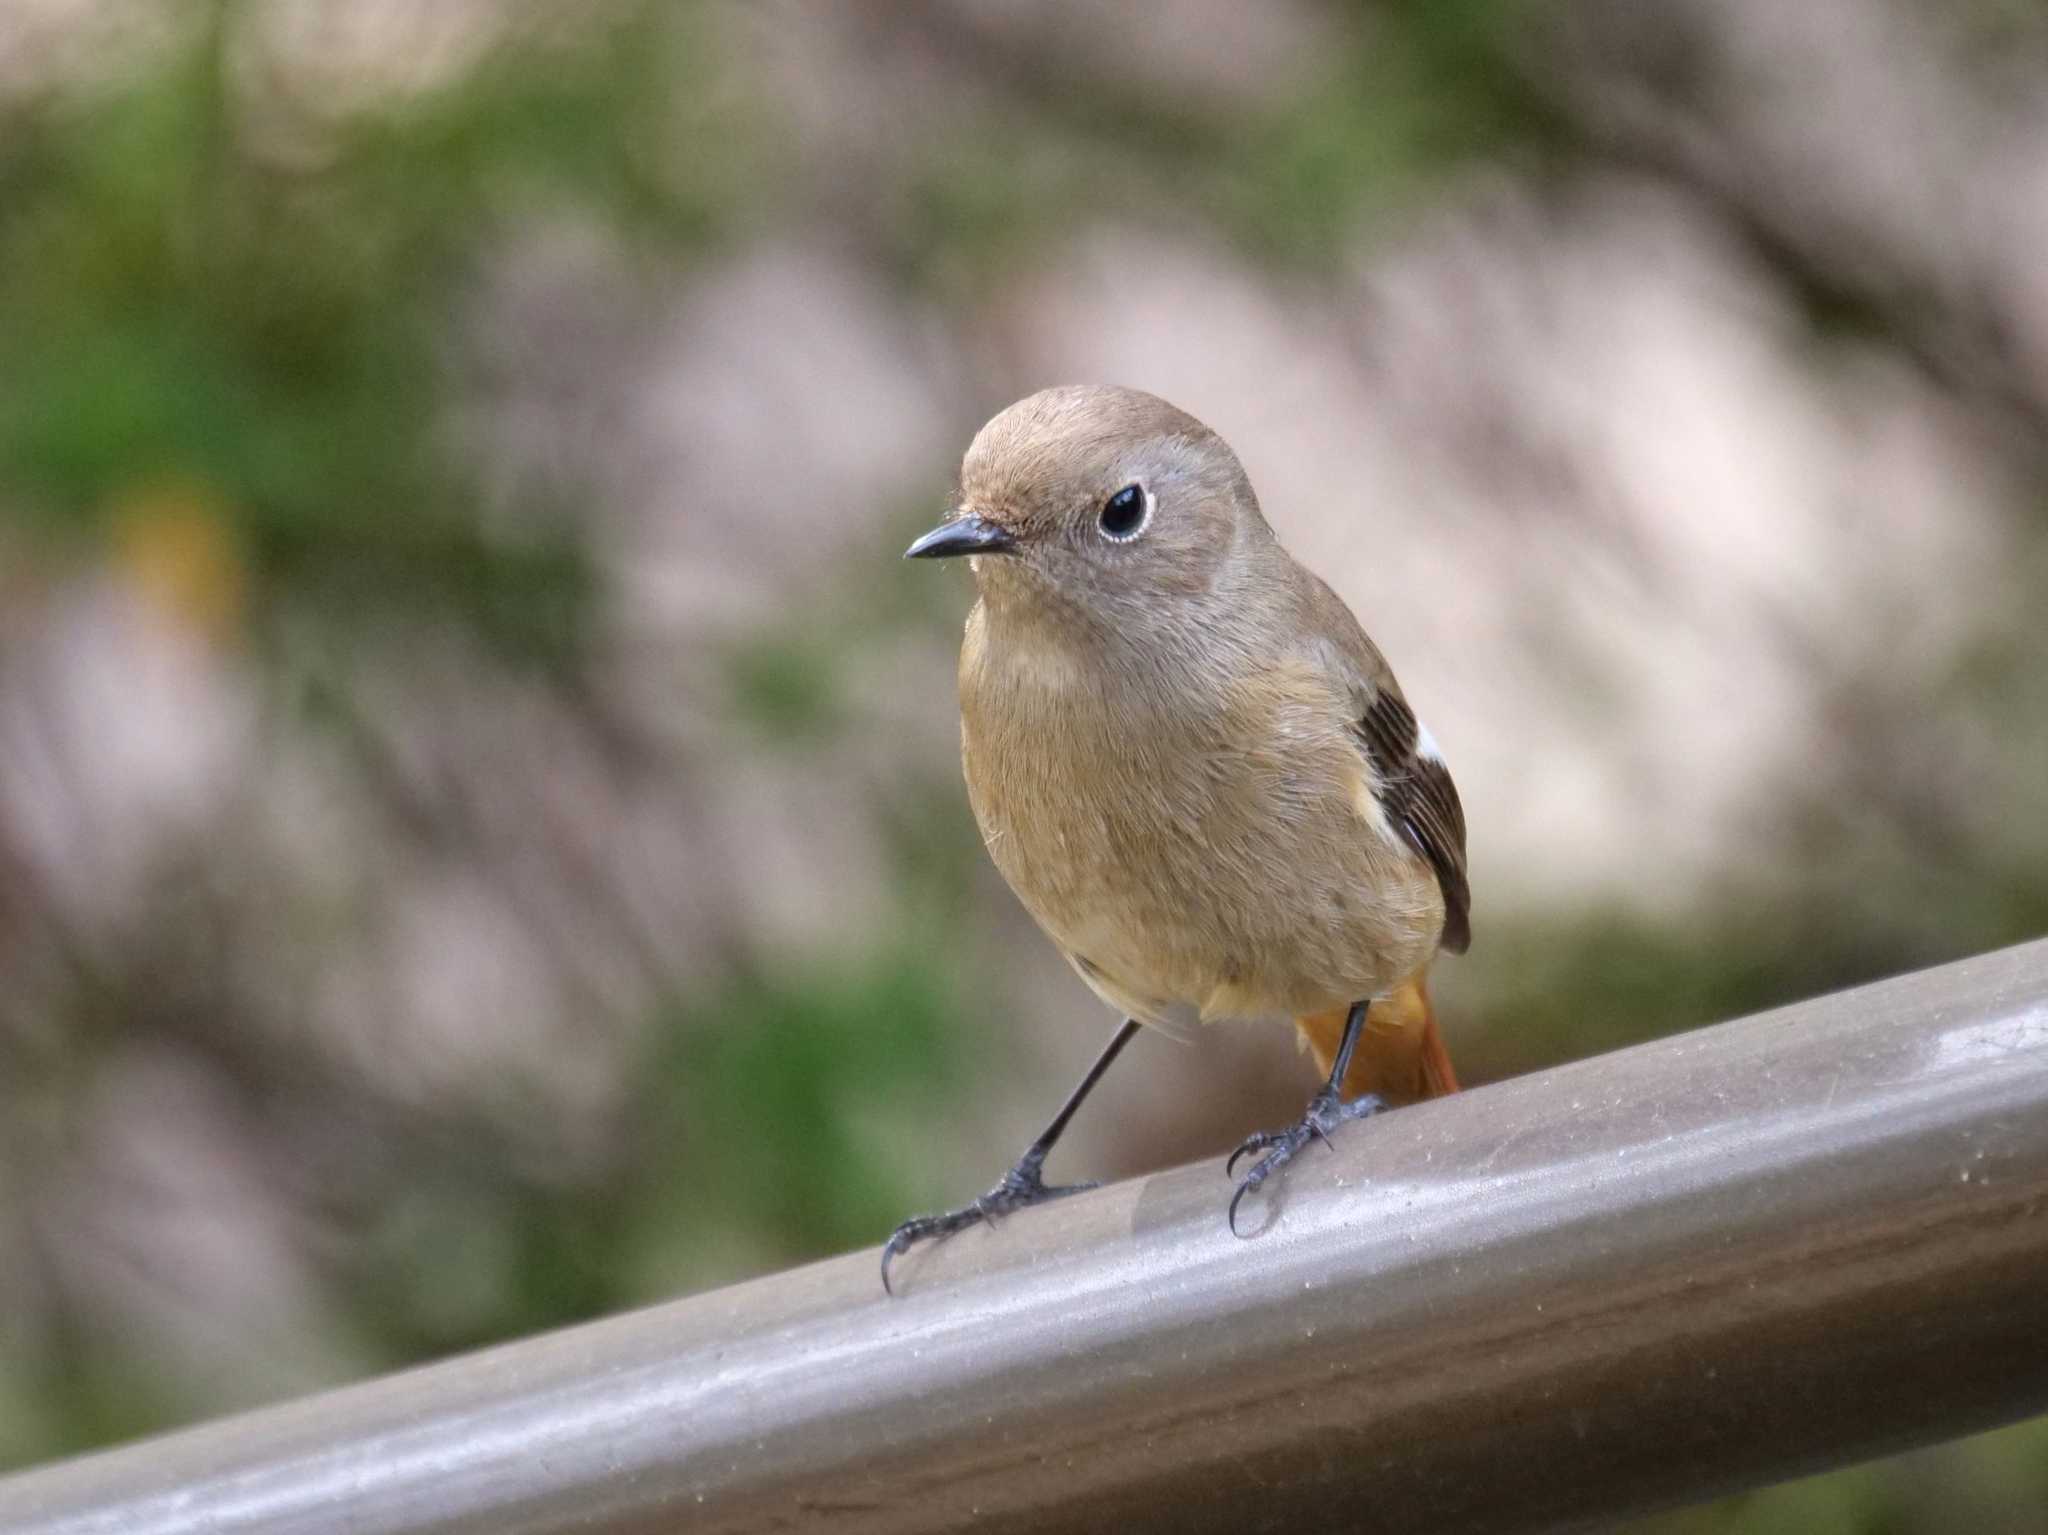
[
  {"x": 1416, "y": 791},
  {"x": 1412, "y": 782}
]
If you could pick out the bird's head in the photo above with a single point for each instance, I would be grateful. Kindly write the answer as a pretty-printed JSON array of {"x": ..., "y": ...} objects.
[{"x": 1097, "y": 499}]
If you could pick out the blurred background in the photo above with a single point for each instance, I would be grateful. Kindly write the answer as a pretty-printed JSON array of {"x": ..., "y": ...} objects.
[{"x": 481, "y": 838}]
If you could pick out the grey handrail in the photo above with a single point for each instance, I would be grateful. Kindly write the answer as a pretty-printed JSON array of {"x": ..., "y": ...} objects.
[{"x": 1701, "y": 1264}]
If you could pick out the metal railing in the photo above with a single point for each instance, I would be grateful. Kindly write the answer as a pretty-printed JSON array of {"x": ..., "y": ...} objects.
[{"x": 1697, "y": 1265}]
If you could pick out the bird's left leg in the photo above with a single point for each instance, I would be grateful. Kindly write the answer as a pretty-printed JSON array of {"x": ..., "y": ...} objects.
[{"x": 1326, "y": 1110}]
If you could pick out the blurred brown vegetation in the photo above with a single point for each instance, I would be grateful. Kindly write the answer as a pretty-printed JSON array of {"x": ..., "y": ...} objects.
[{"x": 480, "y": 836}]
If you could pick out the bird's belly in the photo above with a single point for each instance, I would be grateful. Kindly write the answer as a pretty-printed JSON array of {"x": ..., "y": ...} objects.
[{"x": 1183, "y": 885}]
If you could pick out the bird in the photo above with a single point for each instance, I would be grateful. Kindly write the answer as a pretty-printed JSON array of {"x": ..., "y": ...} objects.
[{"x": 1193, "y": 767}]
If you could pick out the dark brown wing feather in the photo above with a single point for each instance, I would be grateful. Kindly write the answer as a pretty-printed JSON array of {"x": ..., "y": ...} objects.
[
  {"x": 1415, "y": 790},
  {"x": 1419, "y": 798}
]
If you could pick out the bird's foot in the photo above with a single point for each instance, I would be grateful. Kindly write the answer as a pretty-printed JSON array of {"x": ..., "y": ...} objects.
[
  {"x": 1022, "y": 1186},
  {"x": 1326, "y": 1111}
]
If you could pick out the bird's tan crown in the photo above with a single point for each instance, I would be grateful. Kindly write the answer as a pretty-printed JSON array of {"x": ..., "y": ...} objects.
[{"x": 1065, "y": 445}]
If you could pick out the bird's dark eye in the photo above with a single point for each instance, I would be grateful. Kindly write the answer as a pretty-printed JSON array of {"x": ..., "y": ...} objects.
[{"x": 1123, "y": 514}]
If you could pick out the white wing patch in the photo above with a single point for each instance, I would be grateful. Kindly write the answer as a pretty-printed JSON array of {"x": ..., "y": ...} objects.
[
  {"x": 1374, "y": 814},
  {"x": 1425, "y": 744}
]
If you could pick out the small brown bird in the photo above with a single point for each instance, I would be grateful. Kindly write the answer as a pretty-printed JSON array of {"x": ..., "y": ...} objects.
[{"x": 1192, "y": 766}]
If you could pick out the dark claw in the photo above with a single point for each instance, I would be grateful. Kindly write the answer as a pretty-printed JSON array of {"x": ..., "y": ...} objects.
[
  {"x": 1326, "y": 1111},
  {"x": 1258, "y": 1140},
  {"x": 1236, "y": 1200},
  {"x": 1022, "y": 1186}
]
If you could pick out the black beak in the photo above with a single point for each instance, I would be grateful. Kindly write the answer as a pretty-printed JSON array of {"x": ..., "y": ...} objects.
[{"x": 965, "y": 534}]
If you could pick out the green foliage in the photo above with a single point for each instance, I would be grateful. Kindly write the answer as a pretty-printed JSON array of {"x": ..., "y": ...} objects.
[
  {"x": 783, "y": 1093},
  {"x": 1421, "y": 90},
  {"x": 183, "y": 305},
  {"x": 763, "y": 1131},
  {"x": 1407, "y": 94},
  {"x": 785, "y": 685}
]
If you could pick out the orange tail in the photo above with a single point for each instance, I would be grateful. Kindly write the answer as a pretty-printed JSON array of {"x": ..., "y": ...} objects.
[{"x": 1400, "y": 1055}]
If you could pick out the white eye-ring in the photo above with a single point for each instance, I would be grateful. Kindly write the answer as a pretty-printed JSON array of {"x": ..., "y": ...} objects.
[{"x": 1125, "y": 514}]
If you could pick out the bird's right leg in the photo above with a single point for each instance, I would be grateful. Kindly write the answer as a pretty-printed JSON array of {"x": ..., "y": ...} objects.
[{"x": 1024, "y": 1184}]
